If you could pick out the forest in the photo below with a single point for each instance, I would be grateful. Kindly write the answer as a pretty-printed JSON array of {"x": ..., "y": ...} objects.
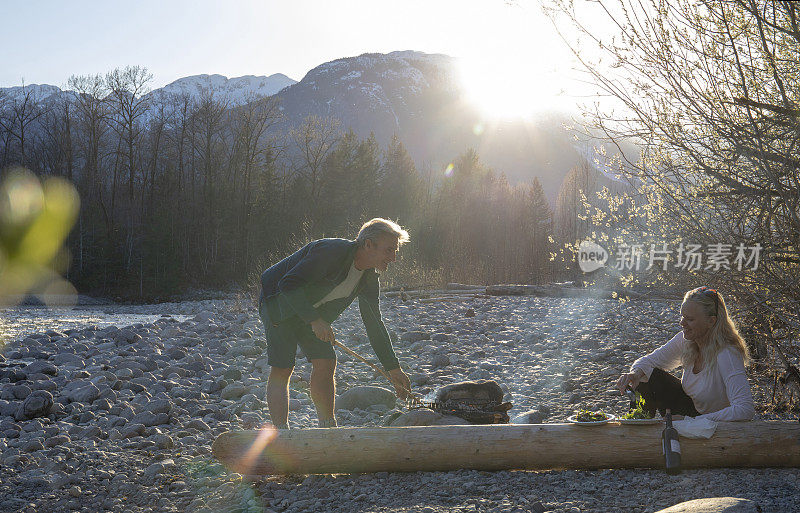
[{"x": 184, "y": 192}]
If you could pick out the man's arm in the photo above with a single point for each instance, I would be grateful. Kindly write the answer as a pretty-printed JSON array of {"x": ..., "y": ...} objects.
[{"x": 376, "y": 330}]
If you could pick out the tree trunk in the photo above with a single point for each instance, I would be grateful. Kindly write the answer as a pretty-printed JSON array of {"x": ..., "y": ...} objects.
[{"x": 500, "y": 447}]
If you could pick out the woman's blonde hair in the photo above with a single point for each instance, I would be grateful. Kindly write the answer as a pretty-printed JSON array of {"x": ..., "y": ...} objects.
[{"x": 721, "y": 335}]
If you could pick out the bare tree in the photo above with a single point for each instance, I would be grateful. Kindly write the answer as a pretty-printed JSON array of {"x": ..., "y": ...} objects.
[
  {"x": 709, "y": 91},
  {"x": 21, "y": 111},
  {"x": 128, "y": 103},
  {"x": 312, "y": 141}
]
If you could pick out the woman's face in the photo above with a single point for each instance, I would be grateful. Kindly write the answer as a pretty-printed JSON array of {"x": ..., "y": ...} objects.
[{"x": 695, "y": 323}]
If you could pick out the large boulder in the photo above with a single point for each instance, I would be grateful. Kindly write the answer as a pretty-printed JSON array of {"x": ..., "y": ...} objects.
[
  {"x": 37, "y": 404},
  {"x": 714, "y": 505},
  {"x": 363, "y": 397}
]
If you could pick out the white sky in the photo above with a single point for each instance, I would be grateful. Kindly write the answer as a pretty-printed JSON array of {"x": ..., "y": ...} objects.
[{"x": 47, "y": 41}]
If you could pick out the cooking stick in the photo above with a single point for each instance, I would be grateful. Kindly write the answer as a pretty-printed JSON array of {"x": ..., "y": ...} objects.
[{"x": 412, "y": 398}]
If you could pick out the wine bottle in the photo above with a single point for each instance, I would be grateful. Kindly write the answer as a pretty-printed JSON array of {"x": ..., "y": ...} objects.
[{"x": 670, "y": 446}]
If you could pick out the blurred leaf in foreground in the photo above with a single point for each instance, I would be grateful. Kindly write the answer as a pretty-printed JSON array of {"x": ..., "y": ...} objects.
[{"x": 35, "y": 220}]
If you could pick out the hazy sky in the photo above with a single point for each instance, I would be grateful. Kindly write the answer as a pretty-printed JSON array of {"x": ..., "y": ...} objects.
[{"x": 51, "y": 40}]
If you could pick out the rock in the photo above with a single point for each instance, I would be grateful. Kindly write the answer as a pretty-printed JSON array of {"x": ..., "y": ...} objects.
[
  {"x": 363, "y": 397},
  {"x": 131, "y": 430},
  {"x": 529, "y": 417},
  {"x": 74, "y": 491},
  {"x": 37, "y": 404},
  {"x": 9, "y": 409},
  {"x": 85, "y": 394},
  {"x": 41, "y": 367},
  {"x": 55, "y": 441},
  {"x": 232, "y": 374},
  {"x": 20, "y": 391},
  {"x": 67, "y": 359},
  {"x": 414, "y": 336},
  {"x": 162, "y": 441},
  {"x": 418, "y": 379},
  {"x": 440, "y": 360},
  {"x": 150, "y": 419},
  {"x": 233, "y": 391},
  {"x": 158, "y": 406},
  {"x": 427, "y": 417},
  {"x": 203, "y": 317},
  {"x": 197, "y": 424},
  {"x": 156, "y": 469},
  {"x": 33, "y": 445},
  {"x": 714, "y": 505}
]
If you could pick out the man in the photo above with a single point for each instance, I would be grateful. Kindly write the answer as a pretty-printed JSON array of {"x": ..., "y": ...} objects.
[{"x": 303, "y": 293}]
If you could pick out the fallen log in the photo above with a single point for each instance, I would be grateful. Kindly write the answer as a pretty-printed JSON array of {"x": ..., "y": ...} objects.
[{"x": 500, "y": 447}]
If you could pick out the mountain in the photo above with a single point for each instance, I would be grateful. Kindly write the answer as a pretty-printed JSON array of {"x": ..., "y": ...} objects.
[
  {"x": 237, "y": 90},
  {"x": 418, "y": 97},
  {"x": 412, "y": 94}
]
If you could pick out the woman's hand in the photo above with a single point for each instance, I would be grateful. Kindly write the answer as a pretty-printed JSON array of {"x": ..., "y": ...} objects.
[{"x": 630, "y": 379}]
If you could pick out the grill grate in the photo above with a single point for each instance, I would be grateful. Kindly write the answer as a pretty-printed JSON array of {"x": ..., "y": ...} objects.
[{"x": 490, "y": 412}]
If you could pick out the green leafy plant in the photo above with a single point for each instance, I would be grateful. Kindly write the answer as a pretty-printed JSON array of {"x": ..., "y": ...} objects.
[
  {"x": 639, "y": 411},
  {"x": 590, "y": 416}
]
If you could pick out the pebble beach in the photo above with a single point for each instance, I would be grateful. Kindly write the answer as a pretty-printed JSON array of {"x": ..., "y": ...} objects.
[{"x": 111, "y": 415}]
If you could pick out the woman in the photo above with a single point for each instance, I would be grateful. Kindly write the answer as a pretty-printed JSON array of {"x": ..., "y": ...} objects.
[{"x": 712, "y": 353}]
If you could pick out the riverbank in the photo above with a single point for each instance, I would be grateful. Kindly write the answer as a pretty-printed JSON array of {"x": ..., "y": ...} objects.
[{"x": 136, "y": 409}]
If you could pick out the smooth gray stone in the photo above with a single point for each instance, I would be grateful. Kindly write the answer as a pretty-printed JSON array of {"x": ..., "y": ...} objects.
[
  {"x": 714, "y": 505},
  {"x": 363, "y": 397},
  {"x": 37, "y": 404},
  {"x": 41, "y": 367}
]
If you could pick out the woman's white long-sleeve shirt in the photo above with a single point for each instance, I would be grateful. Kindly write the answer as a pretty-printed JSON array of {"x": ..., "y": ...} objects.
[{"x": 721, "y": 393}]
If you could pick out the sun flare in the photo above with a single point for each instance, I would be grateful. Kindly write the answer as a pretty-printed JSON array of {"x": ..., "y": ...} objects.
[{"x": 505, "y": 87}]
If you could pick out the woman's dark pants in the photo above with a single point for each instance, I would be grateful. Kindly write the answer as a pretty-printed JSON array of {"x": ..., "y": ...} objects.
[{"x": 663, "y": 391}]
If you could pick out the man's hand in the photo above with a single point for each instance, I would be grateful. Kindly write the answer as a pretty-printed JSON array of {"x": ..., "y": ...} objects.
[
  {"x": 402, "y": 385},
  {"x": 323, "y": 330},
  {"x": 631, "y": 379}
]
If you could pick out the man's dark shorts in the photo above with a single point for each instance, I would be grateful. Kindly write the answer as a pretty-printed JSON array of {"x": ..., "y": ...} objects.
[{"x": 284, "y": 337}]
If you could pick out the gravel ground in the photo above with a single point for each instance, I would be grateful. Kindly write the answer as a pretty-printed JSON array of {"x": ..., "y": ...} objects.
[{"x": 135, "y": 409}]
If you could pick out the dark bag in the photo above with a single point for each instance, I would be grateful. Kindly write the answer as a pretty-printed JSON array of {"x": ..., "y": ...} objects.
[{"x": 479, "y": 402}]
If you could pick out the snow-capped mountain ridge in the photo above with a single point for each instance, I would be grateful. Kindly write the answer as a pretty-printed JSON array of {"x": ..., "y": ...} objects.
[{"x": 237, "y": 90}]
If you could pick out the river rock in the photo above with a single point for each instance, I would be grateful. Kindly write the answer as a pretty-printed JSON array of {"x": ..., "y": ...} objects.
[
  {"x": 414, "y": 336},
  {"x": 233, "y": 391},
  {"x": 85, "y": 394},
  {"x": 158, "y": 406},
  {"x": 41, "y": 367},
  {"x": 131, "y": 430},
  {"x": 427, "y": 417},
  {"x": 20, "y": 391},
  {"x": 37, "y": 404},
  {"x": 440, "y": 360},
  {"x": 529, "y": 417},
  {"x": 714, "y": 505},
  {"x": 149, "y": 419},
  {"x": 363, "y": 397}
]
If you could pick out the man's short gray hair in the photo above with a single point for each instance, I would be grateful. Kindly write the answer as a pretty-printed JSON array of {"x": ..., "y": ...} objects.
[{"x": 372, "y": 229}]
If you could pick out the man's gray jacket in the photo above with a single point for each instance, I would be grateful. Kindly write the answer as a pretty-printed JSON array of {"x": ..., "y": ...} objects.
[{"x": 295, "y": 284}]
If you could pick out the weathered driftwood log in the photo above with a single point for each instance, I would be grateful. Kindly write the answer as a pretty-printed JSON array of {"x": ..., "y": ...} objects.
[{"x": 498, "y": 447}]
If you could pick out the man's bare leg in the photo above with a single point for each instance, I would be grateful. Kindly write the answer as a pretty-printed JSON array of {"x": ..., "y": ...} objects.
[
  {"x": 278, "y": 396},
  {"x": 323, "y": 390}
]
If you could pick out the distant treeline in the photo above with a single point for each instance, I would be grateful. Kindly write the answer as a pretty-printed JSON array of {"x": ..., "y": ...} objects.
[{"x": 181, "y": 192}]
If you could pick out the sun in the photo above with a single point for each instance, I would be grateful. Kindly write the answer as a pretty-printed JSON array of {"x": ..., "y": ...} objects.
[{"x": 504, "y": 86}]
